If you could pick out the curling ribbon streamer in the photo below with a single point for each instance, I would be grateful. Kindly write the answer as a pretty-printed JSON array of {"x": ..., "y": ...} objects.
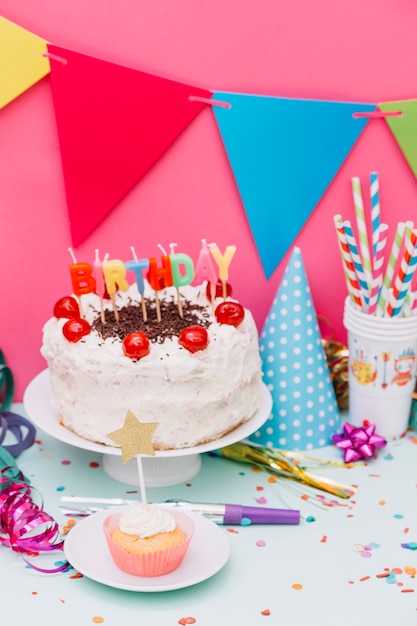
[
  {"x": 24, "y": 526},
  {"x": 15, "y": 424}
]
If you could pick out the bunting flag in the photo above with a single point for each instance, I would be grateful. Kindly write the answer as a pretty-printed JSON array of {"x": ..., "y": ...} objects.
[
  {"x": 404, "y": 128},
  {"x": 113, "y": 124},
  {"x": 284, "y": 154},
  {"x": 21, "y": 61}
]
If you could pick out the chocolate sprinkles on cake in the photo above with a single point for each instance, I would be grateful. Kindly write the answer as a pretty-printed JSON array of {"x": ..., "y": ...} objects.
[{"x": 171, "y": 324}]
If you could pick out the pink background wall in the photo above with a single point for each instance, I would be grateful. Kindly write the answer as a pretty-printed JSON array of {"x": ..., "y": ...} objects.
[{"x": 353, "y": 50}]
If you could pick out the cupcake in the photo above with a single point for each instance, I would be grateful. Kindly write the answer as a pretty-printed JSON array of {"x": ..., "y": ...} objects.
[{"x": 146, "y": 540}]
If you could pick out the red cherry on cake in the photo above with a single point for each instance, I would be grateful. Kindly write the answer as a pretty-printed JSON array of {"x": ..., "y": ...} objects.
[
  {"x": 193, "y": 338},
  {"x": 219, "y": 290},
  {"x": 231, "y": 313},
  {"x": 75, "y": 329},
  {"x": 67, "y": 307},
  {"x": 136, "y": 345}
]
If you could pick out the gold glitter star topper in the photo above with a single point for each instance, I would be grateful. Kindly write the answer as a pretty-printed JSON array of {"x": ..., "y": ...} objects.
[{"x": 134, "y": 437}]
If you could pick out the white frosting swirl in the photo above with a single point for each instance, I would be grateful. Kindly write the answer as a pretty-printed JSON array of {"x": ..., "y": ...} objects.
[{"x": 146, "y": 520}]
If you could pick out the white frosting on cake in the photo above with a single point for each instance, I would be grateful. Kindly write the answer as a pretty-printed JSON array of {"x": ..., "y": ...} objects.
[
  {"x": 195, "y": 397},
  {"x": 146, "y": 520}
]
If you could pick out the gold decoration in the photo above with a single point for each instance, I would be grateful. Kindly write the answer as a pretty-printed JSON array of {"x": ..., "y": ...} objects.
[
  {"x": 286, "y": 464},
  {"x": 134, "y": 437},
  {"x": 337, "y": 356}
]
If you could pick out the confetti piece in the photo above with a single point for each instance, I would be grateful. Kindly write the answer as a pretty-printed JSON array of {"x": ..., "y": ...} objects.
[
  {"x": 357, "y": 547},
  {"x": 412, "y": 545},
  {"x": 261, "y": 543},
  {"x": 382, "y": 502},
  {"x": 259, "y": 488},
  {"x": 383, "y": 575},
  {"x": 66, "y": 462},
  {"x": 272, "y": 479},
  {"x": 366, "y": 554},
  {"x": 245, "y": 521},
  {"x": 397, "y": 570},
  {"x": 187, "y": 620},
  {"x": 232, "y": 530},
  {"x": 407, "y": 590},
  {"x": 34, "y": 593},
  {"x": 398, "y": 516},
  {"x": 266, "y": 612},
  {"x": 297, "y": 586},
  {"x": 323, "y": 539},
  {"x": 61, "y": 488},
  {"x": 310, "y": 518},
  {"x": 77, "y": 575},
  {"x": 94, "y": 464},
  {"x": 411, "y": 571},
  {"x": 405, "y": 531},
  {"x": 364, "y": 578},
  {"x": 97, "y": 619}
]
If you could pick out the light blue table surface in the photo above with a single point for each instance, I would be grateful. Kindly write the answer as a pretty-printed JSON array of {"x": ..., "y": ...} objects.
[{"x": 339, "y": 586}]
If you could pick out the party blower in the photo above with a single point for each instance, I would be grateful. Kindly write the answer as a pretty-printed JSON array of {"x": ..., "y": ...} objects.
[{"x": 230, "y": 514}]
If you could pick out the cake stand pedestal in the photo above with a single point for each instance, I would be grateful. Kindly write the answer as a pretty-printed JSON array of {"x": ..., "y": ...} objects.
[
  {"x": 157, "y": 471},
  {"x": 166, "y": 468}
]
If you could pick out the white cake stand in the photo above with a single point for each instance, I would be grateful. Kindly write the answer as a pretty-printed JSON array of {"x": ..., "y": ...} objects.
[{"x": 166, "y": 468}]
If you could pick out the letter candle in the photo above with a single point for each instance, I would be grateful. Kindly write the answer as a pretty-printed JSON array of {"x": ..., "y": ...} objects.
[
  {"x": 99, "y": 278},
  {"x": 82, "y": 279},
  {"x": 159, "y": 277},
  {"x": 205, "y": 270},
  {"x": 223, "y": 261},
  {"x": 138, "y": 265},
  {"x": 179, "y": 279},
  {"x": 115, "y": 277}
]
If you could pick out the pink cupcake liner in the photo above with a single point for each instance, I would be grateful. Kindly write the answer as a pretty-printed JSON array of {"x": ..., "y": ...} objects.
[{"x": 153, "y": 563}]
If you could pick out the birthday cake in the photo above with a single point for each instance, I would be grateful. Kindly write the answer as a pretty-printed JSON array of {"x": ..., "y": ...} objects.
[{"x": 197, "y": 373}]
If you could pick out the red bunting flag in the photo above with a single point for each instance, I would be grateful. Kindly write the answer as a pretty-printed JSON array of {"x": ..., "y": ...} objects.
[{"x": 114, "y": 123}]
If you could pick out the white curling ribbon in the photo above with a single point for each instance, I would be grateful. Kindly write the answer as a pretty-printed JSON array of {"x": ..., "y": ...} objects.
[{"x": 146, "y": 520}]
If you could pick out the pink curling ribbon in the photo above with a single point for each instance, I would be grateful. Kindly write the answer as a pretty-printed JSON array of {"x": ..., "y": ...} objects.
[
  {"x": 358, "y": 443},
  {"x": 24, "y": 526}
]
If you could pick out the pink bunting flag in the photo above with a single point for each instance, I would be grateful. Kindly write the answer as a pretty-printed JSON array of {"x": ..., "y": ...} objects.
[{"x": 114, "y": 123}]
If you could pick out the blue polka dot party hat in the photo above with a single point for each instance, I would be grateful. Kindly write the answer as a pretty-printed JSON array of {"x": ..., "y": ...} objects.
[{"x": 304, "y": 411}]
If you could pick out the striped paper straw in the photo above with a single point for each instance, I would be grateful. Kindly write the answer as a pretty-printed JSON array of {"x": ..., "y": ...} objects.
[
  {"x": 353, "y": 287},
  {"x": 362, "y": 231},
  {"x": 390, "y": 269},
  {"x": 405, "y": 274},
  {"x": 375, "y": 210},
  {"x": 408, "y": 304},
  {"x": 357, "y": 262},
  {"x": 377, "y": 269}
]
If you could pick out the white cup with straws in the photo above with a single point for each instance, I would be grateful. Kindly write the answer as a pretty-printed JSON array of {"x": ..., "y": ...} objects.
[{"x": 380, "y": 315}]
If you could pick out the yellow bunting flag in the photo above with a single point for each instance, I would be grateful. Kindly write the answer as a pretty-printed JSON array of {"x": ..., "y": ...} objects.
[{"x": 22, "y": 63}]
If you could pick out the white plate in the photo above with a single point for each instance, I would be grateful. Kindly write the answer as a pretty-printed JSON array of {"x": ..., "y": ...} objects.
[
  {"x": 38, "y": 406},
  {"x": 86, "y": 549}
]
